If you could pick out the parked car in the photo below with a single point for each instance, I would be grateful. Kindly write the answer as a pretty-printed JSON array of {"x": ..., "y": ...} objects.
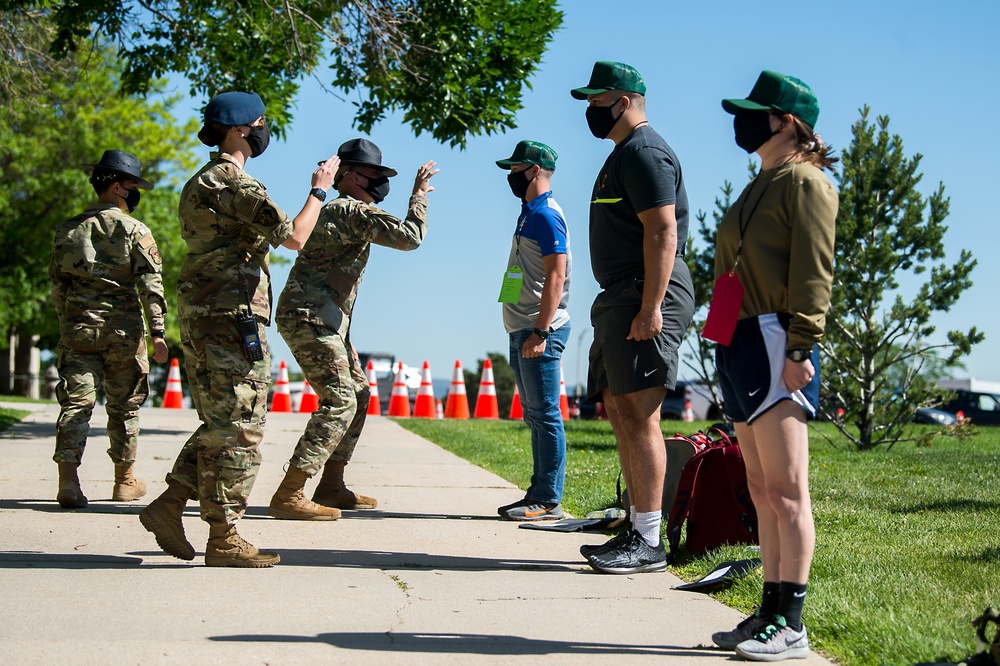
[
  {"x": 703, "y": 407},
  {"x": 980, "y": 408},
  {"x": 932, "y": 416},
  {"x": 384, "y": 365}
]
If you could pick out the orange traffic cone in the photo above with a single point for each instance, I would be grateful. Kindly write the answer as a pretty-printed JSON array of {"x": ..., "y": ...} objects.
[
  {"x": 309, "y": 402},
  {"x": 458, "y": 401},
  {"x": 438, "y": 409},
  {"x": 423, "y": 406},
  {"x": 688, "y": 414},
  {"x": 374, "y": 403},
  {"x": 563, "y": 398},
  {"x": 960, "y": 415},
  {"x": 486, "y": 402},
  {"x": 399, "y": 401},
  {"x": 174, "y": 397},
  {"x": 282, "y": 399},
  {"x": 515, "y": 405}
]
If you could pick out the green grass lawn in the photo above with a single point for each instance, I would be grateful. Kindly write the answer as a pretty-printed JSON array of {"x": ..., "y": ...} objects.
[
  {"x": 908, "y": 538},
  {"x": 9, "y": 417}
]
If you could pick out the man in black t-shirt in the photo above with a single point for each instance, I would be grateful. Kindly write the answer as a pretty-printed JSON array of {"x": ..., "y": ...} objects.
[{"x": 638, "y": 229}]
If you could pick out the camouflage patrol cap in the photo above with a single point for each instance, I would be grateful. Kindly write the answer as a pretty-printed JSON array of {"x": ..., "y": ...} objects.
[{"x": 120, "y": 163}]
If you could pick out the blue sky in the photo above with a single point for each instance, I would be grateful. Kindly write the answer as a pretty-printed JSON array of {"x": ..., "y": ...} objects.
[{"x": 929, "y": 66}]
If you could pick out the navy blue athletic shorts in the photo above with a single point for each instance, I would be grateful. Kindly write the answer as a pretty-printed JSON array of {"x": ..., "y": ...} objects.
[{"x": 750, "y": 370}]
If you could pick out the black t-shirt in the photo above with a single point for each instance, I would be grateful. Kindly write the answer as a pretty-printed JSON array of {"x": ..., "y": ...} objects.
[{"x": 641, "y": 173}]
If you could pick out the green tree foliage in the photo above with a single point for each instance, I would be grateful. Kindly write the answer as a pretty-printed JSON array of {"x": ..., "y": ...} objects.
[
  {"x": 74, "y": 116},
  {"x": 875, "y": 347},
  {"x": 455, "y": 67}
]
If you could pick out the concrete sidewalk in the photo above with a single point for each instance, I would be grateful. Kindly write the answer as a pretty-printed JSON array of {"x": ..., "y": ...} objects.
[{"x": 431, "y": 576}]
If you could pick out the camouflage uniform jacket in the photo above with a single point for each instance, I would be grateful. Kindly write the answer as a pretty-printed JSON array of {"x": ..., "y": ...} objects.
[
  {"x": 323, "y": 283},
  {"x": 99, "y": 260},
  {"x": 228, "y": 221}
]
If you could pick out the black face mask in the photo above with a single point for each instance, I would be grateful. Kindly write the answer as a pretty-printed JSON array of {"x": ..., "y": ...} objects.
[
  {"x": 601, "y": 120},
  {"x": 377, "y": 188},
  {"x": 258, "y": 139},
  {"x": 519, "y": 183},
  {"x": 132, "y": 199},
  {"x": 753, "y": 129}
]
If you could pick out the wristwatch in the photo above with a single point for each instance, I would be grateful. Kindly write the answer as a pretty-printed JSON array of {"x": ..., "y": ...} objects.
[
  {"x": 156, "y": 334},
  {"x": 318, "y": 193},
  {"x": 540, "y": 333},
  {"x": 797, "y": 355}
]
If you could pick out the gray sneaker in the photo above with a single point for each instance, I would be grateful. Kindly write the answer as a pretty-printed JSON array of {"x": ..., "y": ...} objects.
[
  {"x": 775, "y": 642},
  {"x": 634, "y": 555},
  {"x": 535, "y": 511},
  {"x": 589, "y": 549},
  {"x": 745, "y": 630}
]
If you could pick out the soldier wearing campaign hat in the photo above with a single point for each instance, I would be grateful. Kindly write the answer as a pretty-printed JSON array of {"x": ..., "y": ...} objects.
[
  {"x": 314, "y": 317},
  {"x": 638, "y": 229},
  {"x": 224, "y": 300},
  {"x": 101, "y": 259},
  {"x": 535, "y": 295}
]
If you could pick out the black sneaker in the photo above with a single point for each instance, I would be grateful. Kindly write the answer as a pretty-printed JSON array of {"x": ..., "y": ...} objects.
[
  {"x": 589, "y": 549},
  {"x": 502, "y": 511},
  {"x": 634, "y": 555}
]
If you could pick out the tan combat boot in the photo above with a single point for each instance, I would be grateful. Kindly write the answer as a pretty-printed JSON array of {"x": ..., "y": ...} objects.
[
  {"x": 226, "y": 548},
  {"x": 290, "y": 503},
  {"x": 127, "y": 487},
  {"x": 163, "y": 518},
  {"x": 331, "y": 490},
  {"x": 70, "y": 495}
]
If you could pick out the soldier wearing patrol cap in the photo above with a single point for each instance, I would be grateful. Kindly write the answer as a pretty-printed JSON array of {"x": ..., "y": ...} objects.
[
  {"x": 224, "y": 301},
  {"x": 100, "y": 260},
  {"x": 314, "y": 317}
]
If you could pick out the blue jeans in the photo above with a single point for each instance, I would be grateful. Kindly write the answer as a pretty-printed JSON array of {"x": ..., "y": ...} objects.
[{"x": 538, "y": 383}]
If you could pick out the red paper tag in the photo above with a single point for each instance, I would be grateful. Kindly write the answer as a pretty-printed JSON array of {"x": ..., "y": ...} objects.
[{"x": 724, "y": 311}]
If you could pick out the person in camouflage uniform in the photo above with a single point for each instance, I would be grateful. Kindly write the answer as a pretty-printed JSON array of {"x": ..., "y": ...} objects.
[
  {"x": 314, "y": 318},
  {"x": 105, "y": 271},
  {"x": 228, "y": 222}
]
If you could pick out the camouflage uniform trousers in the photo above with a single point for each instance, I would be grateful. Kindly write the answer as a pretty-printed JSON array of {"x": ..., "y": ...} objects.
[
  {"x": 219, "y": 462},
  {"x": 327, "y": 361},
  {"x": 88, "y": 357}
]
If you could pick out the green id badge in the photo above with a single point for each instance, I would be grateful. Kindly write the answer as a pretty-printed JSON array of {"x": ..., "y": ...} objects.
[{"x": 510, "y": 290}]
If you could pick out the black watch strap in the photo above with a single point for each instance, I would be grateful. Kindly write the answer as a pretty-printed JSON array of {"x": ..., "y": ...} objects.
[
  {"x": 156, "y": 334},
  {"x": 798, "y": 355},
  {"x": 541, "y": 333},
  {"x": 318, "y": 193}
]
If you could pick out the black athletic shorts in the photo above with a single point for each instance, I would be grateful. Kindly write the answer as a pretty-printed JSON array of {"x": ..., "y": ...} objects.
[{"x": 627, "y": 366}]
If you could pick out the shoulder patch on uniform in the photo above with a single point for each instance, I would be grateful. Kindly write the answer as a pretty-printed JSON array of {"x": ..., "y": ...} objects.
[
  {"x": 147, "y": 241},
  {"x": 246, "y": 204}
]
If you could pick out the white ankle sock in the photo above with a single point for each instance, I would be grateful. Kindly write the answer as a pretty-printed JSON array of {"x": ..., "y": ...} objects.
[
  {"x": 631, "y": 514},
  {"x": 648, "y": 526}
]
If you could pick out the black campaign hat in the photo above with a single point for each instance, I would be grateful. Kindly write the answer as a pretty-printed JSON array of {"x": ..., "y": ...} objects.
[
  {"x": 122, "y": 163},
  {"x": 362, "y": 152}
]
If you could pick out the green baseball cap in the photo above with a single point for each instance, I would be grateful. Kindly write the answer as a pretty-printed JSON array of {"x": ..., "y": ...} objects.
[
  {"x": 531, "y": 152},
  {"x": 778, "y": 92},
  {"x": 608, "y": 75}
]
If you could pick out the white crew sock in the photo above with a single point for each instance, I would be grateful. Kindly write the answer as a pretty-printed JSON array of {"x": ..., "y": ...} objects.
[
  {"x": 631, "y": 514},
  {"x": 648, "y": 526}
]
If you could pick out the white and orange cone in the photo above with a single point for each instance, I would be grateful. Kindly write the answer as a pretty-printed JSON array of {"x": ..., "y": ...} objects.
[
  {"x": 173, "y": 398},
  {"x": 688, "y": 414},
  {"x": 486, "y": 402},
  {"x": 374, "y": 403},
  {"x": 515, "y": 405},
  {"x": 399, "y": 401},
  {"x": 458, "y": 401},
  {"x": 309, "y": 402},
  {"x": 423, "y": 406},
  {"x": 563, "y": 398},
  {"x": 438, "y": 409},
  {"x": 281, "y": 401}
]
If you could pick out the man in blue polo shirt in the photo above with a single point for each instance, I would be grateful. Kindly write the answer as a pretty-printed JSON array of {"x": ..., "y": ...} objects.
[{"x": 535, "y": 294}]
